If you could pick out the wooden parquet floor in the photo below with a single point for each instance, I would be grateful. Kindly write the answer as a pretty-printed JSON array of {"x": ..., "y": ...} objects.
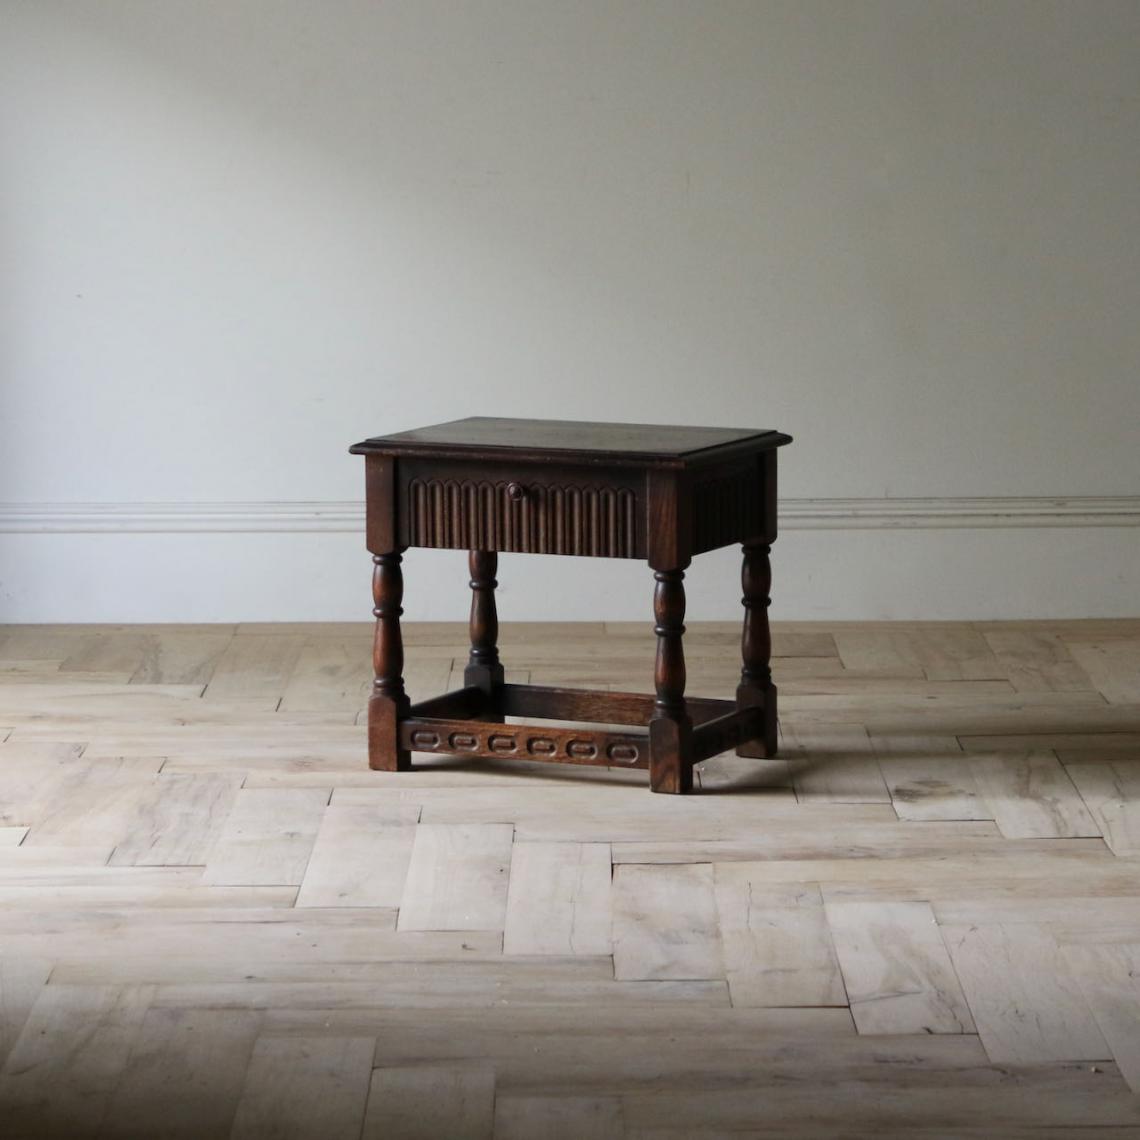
[{"x": 923, "y": 919}]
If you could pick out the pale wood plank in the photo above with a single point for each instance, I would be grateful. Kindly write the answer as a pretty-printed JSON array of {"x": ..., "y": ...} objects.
[
  {"x": 184, "y": 1075},
  {"x": 952, "y": 651},
  {"x": 12, "y": 836},
  {"x": 178, "y": 821},
  {"x": 413, "y": 631},
  {"x": 1111, "y": 792},
  {"x": 820, "y": 833},
  {"x": 833, "y": 764},
  {"x": 602, "y": 1050},
  {"x": 40, "y": 642},
  {"x": 777, "y": 944},
  {"x": 329, "y": 674},
  {"x": 1027, "y": 1006},
  {"x": 927, "y": 1094},
  {"x": 558, "y": 899},
  {"x": 730, "y": 772},
  {"x": 1031, "y": 796},
  {"x": 267, "y": 838},
  {"x": 305, "y": 1087},
  {"x": 202, "y": 932},
  {"x": 365, "y": 950},
  {"x": 885, "y": 692},
  {"x": 1106, "y": 744},
  {"x": 1035, "y": 869},
  {"x": 41, "y": 673},
  {"x": 548, "y": 983},
  {"x": 1068, "y": 916},
  {"x": 929, "y": 778},
  {"x": 1109, "y": 977},
  {"x": 881, "y": 652},
  {"x": 938, "y": 652},
  {"x": 84, "y": 711},
  {"x": 790, "y": 643},
  {"x": 457, "y": 878},
  {"x": 68, "y": 1058},
  {"x": 665, "y": 923},
  {"x": 1112, "y": 665},
  {"x": 896, "y": 969},
  {"x": 21, "y": 980},
  {"x": 95, "y": 803},
  {"x": 426, "y": 1102},
  {"x": 559, "y": 1118},
  {"x": 30, "y": 774},
  {"x": 1036, "y": 660},
  {"x": 111, "y": 651},
  {"x": 181, "y": 657},
  {"x": 557, "y": 809},
  {"x": 361, "y": 856},
  {"x": 254, "y": 666},
  {"x": 184, "y": 889}
]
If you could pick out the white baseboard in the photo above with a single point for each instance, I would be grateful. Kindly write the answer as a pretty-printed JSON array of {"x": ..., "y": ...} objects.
[{"x": 795, "y": 514}]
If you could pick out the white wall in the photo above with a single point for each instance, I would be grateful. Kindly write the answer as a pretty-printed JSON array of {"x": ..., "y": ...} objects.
[{"x": 238, "y": 235}]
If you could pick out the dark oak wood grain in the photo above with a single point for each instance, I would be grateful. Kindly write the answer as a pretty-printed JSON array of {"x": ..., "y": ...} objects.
[
  {"x": 490, "y": 740},
  {"x": 671, "y": 728},
  {"x": 483, "y": 666},
  {"x": 600, "y": 490},
  {"x": 597, "y": 706},
  {"x": 388, "y": 701},
  {"x": 622, "y": 443}
]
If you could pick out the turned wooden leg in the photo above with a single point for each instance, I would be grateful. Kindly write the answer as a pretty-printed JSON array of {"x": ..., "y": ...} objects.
[
  {"x": 483, "y": 667},
  {"x": 756, "y": 686},
  {"x": 388, "y": 701},
  {"x": 670, "y": 729}
]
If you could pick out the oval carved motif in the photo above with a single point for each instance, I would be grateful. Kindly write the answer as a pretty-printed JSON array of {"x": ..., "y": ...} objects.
[
  {"x": 502, "y": 743},
  {"x": 622, "y": 753},
  {"x": 541, "y": 746},
  {"x": 423, "y": 740},
  {"x": 463, "y": 740},
  {"x": 582, "y": 749}
]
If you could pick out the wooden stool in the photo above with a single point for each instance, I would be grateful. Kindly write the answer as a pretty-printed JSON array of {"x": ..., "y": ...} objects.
[{"x": 599, "y": 490}]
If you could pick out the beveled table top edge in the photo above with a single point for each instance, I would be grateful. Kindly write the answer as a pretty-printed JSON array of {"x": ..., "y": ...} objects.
[{"x": 399, "y": 444}]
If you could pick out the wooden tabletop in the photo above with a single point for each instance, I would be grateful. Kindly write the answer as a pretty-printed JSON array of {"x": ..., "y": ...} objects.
[{"x": 491, "y": 435}]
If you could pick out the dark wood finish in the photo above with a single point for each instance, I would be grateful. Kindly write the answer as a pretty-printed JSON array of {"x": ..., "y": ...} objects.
[
  {"x": 727, "y": 502},
  {"x": 756, "y": 688},
  {"x": 717, "y": 736},
  {"x": 669, "y": 519},
  {"x": 634, "y": 445},
  {"x": 467, "y": 702},
  {"x": 519, "y": 507},
  {"x": 657, "y": 492},
  {"x": 491, "y": 740},
  {"x": 597, "y": 707},
  {"x": 670, "y": 729},
  {"x": 380, "y": 497},
  {"x": 388, "y": 701},
  {"x": 483, "y": 667}
]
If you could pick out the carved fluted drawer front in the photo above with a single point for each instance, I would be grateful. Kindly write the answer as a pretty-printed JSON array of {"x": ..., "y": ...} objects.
[
  {"x": 729, "y": 504},
  {"x": 467, "y": 506}
]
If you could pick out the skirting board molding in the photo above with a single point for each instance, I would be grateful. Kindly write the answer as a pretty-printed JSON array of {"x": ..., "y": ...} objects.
[{"x": 795, "y": 514}]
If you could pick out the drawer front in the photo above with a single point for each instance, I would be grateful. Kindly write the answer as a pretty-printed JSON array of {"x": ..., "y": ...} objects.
[{"x": 519, "y": 508}]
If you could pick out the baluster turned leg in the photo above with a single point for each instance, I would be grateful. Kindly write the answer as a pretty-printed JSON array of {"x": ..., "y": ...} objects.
[
  {"x": 670, "y": 729},
  {"x": 388, "y": 701},
  {"x": 756, "y": 686},
  {"x": 483, "y": 667}
]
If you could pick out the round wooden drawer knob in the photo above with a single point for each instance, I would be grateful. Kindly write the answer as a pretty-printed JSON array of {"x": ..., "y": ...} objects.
[{"x": 516, "y": 492}]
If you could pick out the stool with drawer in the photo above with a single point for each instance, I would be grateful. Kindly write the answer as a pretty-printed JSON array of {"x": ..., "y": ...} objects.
[{"x": 651, "y": 492}]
